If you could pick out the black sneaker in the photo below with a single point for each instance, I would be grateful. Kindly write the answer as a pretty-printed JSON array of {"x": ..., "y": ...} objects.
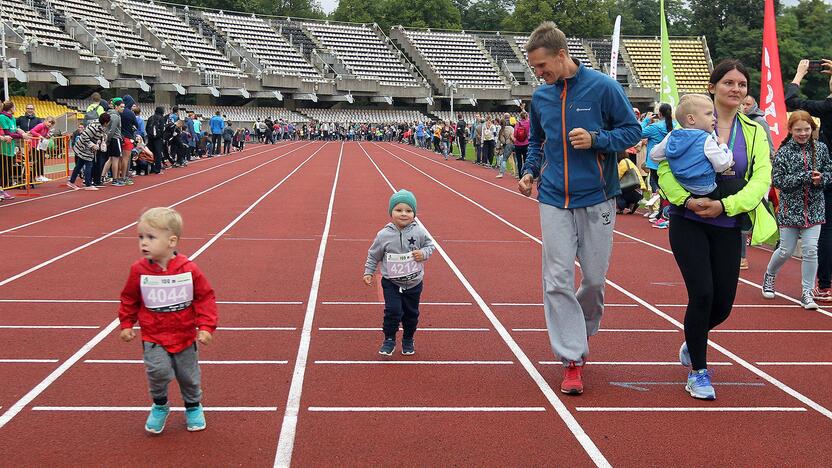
[
  {"x": 768, "y": 286},
  {"x": 408, "y": 347},
  {"x": 807, "y": 300},
  {"x": 387, "y": 347}
]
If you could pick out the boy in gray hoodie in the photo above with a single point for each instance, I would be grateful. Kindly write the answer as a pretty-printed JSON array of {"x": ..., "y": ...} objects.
[{"x": 402, "y": 246}]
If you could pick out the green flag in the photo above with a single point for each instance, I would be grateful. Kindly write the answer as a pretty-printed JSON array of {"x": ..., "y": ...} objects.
[{"x": 668, "y": 92}]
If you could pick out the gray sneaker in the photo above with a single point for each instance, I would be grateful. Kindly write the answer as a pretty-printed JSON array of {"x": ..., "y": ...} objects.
[
  {"x": 807, "y": 300},
  {"x": 387, "y": 347},
  {"x": 768, "y": 286}
]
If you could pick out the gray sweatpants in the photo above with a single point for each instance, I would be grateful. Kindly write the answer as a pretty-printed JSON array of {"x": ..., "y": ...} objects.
[
  {"x": 162, "y": 367},
  {"x": 585, "y": 233}
]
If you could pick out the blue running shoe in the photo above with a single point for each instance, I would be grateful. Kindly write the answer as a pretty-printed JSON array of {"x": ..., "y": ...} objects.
[
  {"x": 387, "y": 347},
  {"x": 684, "y": 355},
  {"x": 195, "y": 418},
  {"x": 699, "y": 385},
  {"x": 156, "y": 419},
  {"x": 408, "y": 347}
]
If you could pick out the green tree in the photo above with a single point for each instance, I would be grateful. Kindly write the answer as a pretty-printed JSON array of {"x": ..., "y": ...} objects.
[
  {"x": 438, "y": 14},
  {"x": 294, "y": 8},
  {"x": 641, "y": 17},
  {"x": 484, "y": 15},
  {"x": 579, "y": 18},
  {"x": 528, "y": 14},
  {"x": 359, "y": 11}
]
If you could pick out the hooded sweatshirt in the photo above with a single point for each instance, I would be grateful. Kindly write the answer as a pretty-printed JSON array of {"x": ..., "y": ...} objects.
[
  {"x": 129, "y": 124},
  {"x": 172, "y": 321},
  {"x": 391, "y": 240},
  {"x": 695, "y": 156},
  {"x": 114, "y": 130}
]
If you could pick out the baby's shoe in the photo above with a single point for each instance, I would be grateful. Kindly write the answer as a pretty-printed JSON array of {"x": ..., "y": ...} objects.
[
  {"x": 156, "y": 419},
  {"x": 195, "y": 418}
]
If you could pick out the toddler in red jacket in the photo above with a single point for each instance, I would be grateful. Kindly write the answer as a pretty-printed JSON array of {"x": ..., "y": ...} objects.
[{"x": 175, "y": 307}]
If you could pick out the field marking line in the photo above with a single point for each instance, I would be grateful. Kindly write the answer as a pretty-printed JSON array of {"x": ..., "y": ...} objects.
[
  {"x": 123, "y": 195},
  {"x": 48, "y": 327},
  {"x": 516, "y": 193},
  {"x": 382, "y": 302},
  {"x": 736, "y": 358},
  {"x": 425, "y": 409},
  {"x": 427, "y": 363},
  {"x": 113, "y": 301},
  {"x": 632, "y": 363},
  {"x": 560, "y": 408},
  {"x": 621, "y": 330},
  {"x": 796, "y": 363},
  {"x": 128, "y": 226},
  {"x": 424, "y": 329},
  {"x": 288, "y": 428},
  {"x": 690, "y": 409},
  {"x": 18, "y": 406},
  {"x": 26, "y": 361},
  {"x": 744, "y": 306},
  {"x": 540, "y": 304},
  {"x": 44, "y": 197},
  {"x": 213, "y": 409},
  {"x": 209, "y": 362}
]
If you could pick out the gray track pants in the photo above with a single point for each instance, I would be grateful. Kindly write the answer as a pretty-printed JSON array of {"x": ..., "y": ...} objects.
[
  {"x": 585, "y": 233},
  {"x": 162, "y": 367}
]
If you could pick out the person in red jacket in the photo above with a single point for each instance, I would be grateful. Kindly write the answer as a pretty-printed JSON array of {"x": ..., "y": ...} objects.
[{"x": 175, "y": 307}]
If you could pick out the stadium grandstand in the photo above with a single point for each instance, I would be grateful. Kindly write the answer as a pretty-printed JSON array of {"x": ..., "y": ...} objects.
[{"x": 255, "y": 67}]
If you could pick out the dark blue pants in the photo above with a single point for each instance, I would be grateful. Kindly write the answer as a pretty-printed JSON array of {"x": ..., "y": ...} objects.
[
  {"x": 86, "y": 167},
  {"x": 825, "y": 246},
  {"x": 400, "y": 306}
]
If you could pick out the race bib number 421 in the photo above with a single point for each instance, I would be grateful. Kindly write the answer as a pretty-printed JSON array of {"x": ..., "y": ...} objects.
[
  {"x": 167, "y": 293},
  {"x": 402, "y": 266}
]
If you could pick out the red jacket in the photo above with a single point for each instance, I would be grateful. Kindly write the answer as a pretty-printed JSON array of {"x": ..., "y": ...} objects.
[{"x": 184, "y": 303}]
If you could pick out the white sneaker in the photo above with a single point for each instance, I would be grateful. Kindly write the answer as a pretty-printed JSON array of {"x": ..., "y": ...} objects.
[
  {"x": 652, "y": 201},
  {"x": 42, "y": 179},
  {"x": 90, "y": 188},
  {"x": 72, "y": 186},
  {"x": 499, "y": 176}
]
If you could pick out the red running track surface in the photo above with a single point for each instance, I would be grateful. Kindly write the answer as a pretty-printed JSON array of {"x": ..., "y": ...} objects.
[{"x": 469, "y": 396}]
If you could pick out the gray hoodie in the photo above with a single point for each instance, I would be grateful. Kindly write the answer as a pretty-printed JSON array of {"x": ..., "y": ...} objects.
[
  {"x": 391, "y": 240},
  {"x": 114, "y": 130}
]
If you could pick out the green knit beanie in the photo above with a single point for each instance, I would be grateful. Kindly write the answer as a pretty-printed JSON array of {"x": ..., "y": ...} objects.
[{"x": 402, "y": 196}]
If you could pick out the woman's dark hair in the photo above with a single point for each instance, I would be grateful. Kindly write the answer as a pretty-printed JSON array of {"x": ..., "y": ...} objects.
[
  {"x": 723, "y": 67},
  {"x": 104, "y": 118},
  {"x": 667, "y": 112},
  {"x": 8, "y": 106}
]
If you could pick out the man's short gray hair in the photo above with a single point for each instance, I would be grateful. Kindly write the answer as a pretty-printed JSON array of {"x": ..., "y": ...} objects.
[{"x": 549, "y": 37}]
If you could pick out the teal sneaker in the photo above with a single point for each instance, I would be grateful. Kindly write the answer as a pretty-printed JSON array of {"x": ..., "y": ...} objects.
[
  {"x": 156, "y": 419},
  {"x": 699, "y": 385},
  {"x": 195, "y": 418},
  {"x": 684, "y": 354}
]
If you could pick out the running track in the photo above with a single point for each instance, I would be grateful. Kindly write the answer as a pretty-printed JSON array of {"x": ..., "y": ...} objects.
[{"x": 293, "y": 375}]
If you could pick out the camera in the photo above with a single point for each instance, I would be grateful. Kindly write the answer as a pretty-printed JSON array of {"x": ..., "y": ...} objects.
[{"x": 815, "y": 65}]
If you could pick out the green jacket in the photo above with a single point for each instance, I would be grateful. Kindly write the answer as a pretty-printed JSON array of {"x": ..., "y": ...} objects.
[
  {"x": 750, "y": 198},
  {"x": 9, "y": 125}
]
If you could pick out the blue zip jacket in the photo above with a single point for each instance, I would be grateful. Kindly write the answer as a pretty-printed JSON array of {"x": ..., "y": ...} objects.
[
  {"x": 579, "y": 178},
  {"x": 217, "y": 125},
  {"x": 654, "y": 133},
  {"x": 129, "y": 125}
]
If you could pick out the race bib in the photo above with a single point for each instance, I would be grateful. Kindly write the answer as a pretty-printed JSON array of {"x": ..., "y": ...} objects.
[
  {"x": 167, "y": 293},
  {"x": 402, "y": 266}
]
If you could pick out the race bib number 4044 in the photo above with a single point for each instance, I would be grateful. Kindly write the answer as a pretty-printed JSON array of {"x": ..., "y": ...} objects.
[
  {"x": 167, "y": 293},
  {"x": 402, "y": 266}
]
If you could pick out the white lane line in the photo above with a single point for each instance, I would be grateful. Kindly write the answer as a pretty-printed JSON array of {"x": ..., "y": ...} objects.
[
  {"x": 139, "y": 361},
  {"x": 533, "y": 304},
  {"x": 632, "y": 363},
  {"x": 26, "y": 361},
  {"x": 426, "y": 409},
  {"x": 48, "y": 327},
  {"x": 759, "y": 372},
  {"x": 126, "y": 194},
  {"x": 690, "y": 409},
  {"x": 423, "y": 329},
  {"x": 217, "y": 409},
  {"x": 54, "y": 375},
  {"x": 560, "y": 408},
  {"x": 743, "y": 306},
  {"x": 128, "y": 226},
  {"x": 380, "y": 303},
  {"x": 113, "y": 301},
  {"x": 425, "y": 363},
  {"x": 741, "y": 279},
  {"x": 286, "y": 438},
  {"x": 795, "y": 363},
  {"x": 257, "y": 328},
  {"x": 770, "y": 331},
  {"x": 622, "y": 330}
]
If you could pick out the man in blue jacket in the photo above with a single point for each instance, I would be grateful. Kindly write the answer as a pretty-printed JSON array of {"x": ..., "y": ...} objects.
[
  {"x": 584, "y": 118},
  {"x": 217, "y": 126}
]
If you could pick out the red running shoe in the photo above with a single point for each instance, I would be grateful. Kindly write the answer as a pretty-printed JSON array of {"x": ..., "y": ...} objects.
[{"x": 572, "y": 382}]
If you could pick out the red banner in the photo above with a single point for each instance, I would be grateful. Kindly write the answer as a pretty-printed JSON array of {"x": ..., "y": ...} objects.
[{"x": 772, "y": 101}]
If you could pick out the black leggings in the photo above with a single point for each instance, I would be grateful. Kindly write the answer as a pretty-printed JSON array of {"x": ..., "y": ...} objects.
[
  {"x": 709, "y": 259},
  {"x": 825, "y": 246},
  {"x": 520, "y": 157},
  {"x": 400, "y": 306}
]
